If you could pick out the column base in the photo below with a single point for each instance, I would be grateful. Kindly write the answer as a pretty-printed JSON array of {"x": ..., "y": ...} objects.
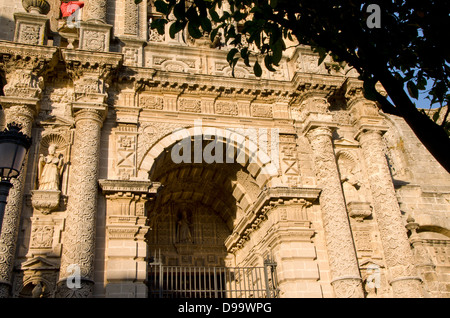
[
  {"x": 348, "y": 287},
  {"x": 85, "y": 289}
]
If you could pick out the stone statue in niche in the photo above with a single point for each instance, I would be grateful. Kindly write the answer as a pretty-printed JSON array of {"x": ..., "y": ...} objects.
[
  {"x": 37, "y": 291},
  {"x": 351, "y": 185},
  {"x": 50, "y": 170},
  {"x": 184, "y": 234}
]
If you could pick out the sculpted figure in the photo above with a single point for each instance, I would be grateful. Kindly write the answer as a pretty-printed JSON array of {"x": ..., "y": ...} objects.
[
  {"x": 183, "y": 226},
  {"x": 37, "y": 291},
  {"x": 50, "y": 169},
  {"x": 351, "y": 186}
]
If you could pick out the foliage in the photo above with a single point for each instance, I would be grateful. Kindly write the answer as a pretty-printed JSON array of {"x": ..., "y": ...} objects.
[{"x": 405, "y": 54}]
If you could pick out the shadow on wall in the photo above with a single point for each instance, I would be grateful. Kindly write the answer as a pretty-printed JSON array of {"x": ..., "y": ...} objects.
[{"x": 7, "y": 23}]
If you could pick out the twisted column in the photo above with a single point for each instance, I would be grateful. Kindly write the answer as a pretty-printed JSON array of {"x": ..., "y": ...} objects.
[
  {"x": 396, "y": 247},
  {"x": 79, "y": 238},
  {"x": 345, "y": 275}
]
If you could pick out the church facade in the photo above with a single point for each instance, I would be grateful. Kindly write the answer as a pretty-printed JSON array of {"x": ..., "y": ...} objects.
[{"x": 151, "y": 157}]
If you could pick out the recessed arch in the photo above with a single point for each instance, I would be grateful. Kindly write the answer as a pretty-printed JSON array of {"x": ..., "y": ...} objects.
[
  {"x": 218, "y": 193},
  {"x": 252, "y": 157}
]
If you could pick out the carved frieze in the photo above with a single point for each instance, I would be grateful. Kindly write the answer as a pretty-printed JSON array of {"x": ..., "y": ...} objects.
[
  {"x": 226, "y": 108},
  {"x": 151, "y": 102},
  {"x": 190, "y": 105},
  {"x": 261, "y": 110}
]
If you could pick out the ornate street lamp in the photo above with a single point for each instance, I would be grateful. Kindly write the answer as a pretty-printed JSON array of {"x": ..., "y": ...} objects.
[{"x": 14, "y": 146}]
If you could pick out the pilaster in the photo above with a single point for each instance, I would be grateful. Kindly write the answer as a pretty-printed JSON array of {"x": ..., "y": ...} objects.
[{"x": 126, "y": 230}]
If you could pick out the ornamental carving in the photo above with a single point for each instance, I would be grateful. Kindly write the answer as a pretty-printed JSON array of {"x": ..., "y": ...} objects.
[
  {"x": 310, "y": 64},
  {"x": 131, "y": 17},
  {"x": 190, "y": 105},
  {"x": 42, "y": 236},
  {"x": 29, "y": 33},
  {"x": 151, "y": 102},
  {"x": 226, "y": 108},
  {"x": 94, "y": 40},
  {"x": 261, "y": 110}
]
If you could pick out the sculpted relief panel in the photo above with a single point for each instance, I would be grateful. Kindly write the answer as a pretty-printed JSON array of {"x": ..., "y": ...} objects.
[{"x": 188, "y": 234}]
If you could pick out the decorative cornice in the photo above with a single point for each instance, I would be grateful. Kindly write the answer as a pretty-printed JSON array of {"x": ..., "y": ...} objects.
[
  {"x": 109, "y": 186},
  {"x": 266, "y": 201}
]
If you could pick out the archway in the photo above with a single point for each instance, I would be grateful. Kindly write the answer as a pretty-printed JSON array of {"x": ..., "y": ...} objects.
[{"x": 200, "y": 203}]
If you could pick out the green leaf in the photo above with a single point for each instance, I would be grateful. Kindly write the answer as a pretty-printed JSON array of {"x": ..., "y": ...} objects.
[
  {"x": 206, "y": 24},
  {"x": 137, "y": 1},
  {"x": 277, "y": 49},
  {"x": 213, "y": 34},
  {"x": 194, "y": 31},
  {"x": 436, "y": 115},
  {"x": 257, "y": 69},
  {"x": 268, "y": 62},
  {"x": 214, "y": 16},
  {"x": 231, "y": 54},
  {"x": 246, "y": 56},
  {"x": 159, "y": 25},
  {"x": 412, "y": 90},
  {"x": 162, "y": 7},
  {"x": 179, "y": 10},
  {"x": 175, "y": 28}
]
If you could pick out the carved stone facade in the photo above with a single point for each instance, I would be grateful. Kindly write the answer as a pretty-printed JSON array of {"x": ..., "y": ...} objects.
[{"x": 147, "y": 151}]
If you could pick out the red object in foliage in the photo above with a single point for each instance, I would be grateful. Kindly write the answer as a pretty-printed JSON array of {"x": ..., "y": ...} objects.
[{"x": 67, "y": 8}]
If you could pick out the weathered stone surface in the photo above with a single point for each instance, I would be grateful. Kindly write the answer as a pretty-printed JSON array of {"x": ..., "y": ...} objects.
[{"x": 296, "y": 169}]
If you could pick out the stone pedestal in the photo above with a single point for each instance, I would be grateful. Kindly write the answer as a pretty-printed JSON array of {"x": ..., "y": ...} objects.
[
  {"x": 31, "y": 28},
  {"x": 359, "y": 210},
  {"x": 95, "y": 37},
  {"x": 45, "y": 201}
]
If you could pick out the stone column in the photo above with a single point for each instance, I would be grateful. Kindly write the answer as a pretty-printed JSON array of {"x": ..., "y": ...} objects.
[
  {"x": 95, "y": 34},
  {"x": 345, "y": 275},
  {"x": 22, "y": 66},
  {"x": 95, "y": 11},
  {"x": 24, "y": 115},
  {"x": 79, "y": 237},
  {"x": 396, "y": 247},
  {"x": 90, "y": 72},
  {"x": 318, "y": 127}
]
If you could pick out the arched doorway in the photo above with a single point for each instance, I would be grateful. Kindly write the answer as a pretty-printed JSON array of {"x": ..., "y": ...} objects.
[{"x": 194, "y": 213}]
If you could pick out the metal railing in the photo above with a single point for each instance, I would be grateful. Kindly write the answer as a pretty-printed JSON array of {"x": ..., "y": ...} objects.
[{"x": 212, "y": 282}]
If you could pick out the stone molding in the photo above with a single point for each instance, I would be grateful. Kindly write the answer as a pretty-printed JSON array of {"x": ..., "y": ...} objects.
[{"x": 267, "y": 200}]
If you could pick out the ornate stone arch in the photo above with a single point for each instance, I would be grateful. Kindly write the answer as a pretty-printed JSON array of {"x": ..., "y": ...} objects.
[{"x": 261, "y": 167}]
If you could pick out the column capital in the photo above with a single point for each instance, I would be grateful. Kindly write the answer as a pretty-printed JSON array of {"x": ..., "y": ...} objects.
[
  {"x": 89, "y": 111},
  {"x": 315, "y": 129},
  {"x": 365, "y": 131}
]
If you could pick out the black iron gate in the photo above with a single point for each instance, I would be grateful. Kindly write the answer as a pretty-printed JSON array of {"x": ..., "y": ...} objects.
[{"x": 212, "y": 282}]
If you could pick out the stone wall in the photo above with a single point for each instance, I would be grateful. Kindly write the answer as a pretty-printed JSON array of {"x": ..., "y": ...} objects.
[{"x": 325, "y": 184}]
